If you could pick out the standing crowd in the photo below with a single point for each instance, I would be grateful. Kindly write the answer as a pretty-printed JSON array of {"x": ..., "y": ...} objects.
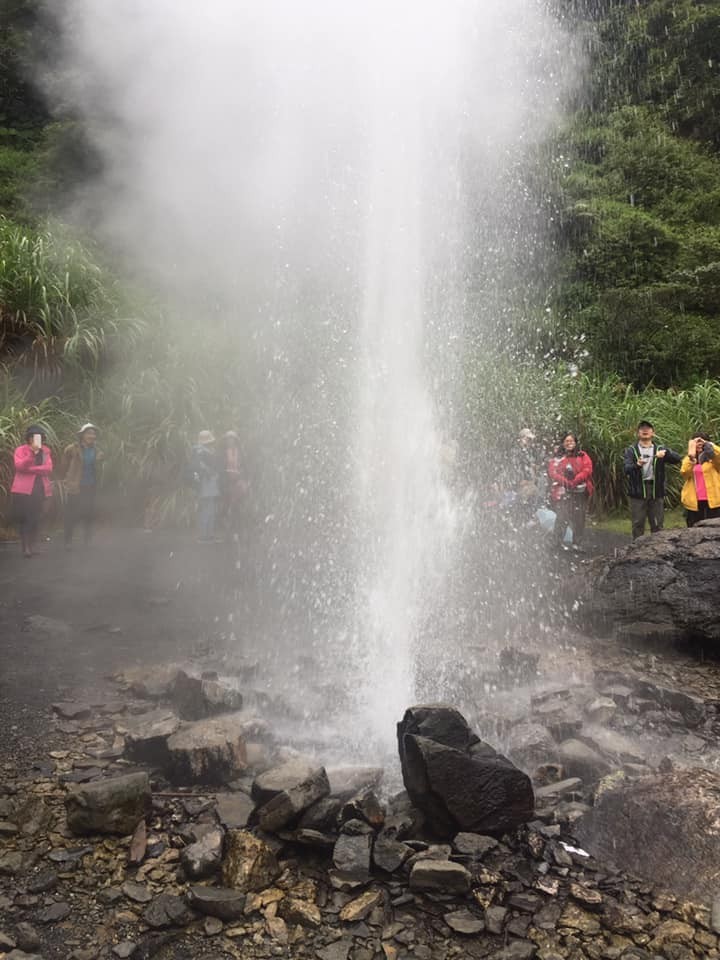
[
  {"x": 557, "y": 490},
  {"x": 554, "y": 491}
]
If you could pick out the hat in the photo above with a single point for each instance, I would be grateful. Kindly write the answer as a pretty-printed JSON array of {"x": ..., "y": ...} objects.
[
  {"x": 87, "y": 426},
  {"x": 526, "y": 434},
  {"x": 230, "y": 435},
  {"x": 33, "y": 429},
  {"x": 206, "y": 436}
]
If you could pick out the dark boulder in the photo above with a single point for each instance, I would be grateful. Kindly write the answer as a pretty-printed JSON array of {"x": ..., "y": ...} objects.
[
  {"x": 458, "y": 787},
  {"x": 668, "y": 579},
  {"x": 664, "y": 828}
]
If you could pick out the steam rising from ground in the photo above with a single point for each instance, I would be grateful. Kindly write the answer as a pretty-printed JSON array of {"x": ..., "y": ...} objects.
[{"x": 341, "y": 181}]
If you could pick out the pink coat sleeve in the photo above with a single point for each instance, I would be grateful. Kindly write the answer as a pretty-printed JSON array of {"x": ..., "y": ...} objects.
[{"x": 24, "y": 459}]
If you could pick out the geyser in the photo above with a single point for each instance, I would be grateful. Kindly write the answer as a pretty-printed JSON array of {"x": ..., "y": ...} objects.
[{"x": 341, "y": 185}]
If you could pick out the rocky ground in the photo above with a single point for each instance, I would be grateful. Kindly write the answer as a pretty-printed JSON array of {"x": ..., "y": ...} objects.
[{"x": 285, "y": 855}]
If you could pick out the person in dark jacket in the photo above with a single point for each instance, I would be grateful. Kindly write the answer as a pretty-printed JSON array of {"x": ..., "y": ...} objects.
[
  {"x": 80, "y": 472},
  {"x": 206, "y": 470},
  {"x": 644, "y": 466}
]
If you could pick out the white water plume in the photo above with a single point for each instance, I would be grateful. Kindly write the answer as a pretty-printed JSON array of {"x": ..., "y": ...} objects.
[{"x": 343, "y": 179}]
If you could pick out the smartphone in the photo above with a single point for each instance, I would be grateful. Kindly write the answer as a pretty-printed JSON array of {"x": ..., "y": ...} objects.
[{"x": 37, "y": 439}]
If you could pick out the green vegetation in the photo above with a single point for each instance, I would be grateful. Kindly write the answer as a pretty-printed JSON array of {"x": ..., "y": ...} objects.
[{"x": 630, "y": 304}]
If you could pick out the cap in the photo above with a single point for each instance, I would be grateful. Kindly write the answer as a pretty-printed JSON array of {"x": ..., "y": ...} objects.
[{"x": 206, "y": 436}]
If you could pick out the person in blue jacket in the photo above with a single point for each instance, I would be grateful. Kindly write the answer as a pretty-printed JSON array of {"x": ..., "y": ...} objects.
[{"x": 644, "y": 465}]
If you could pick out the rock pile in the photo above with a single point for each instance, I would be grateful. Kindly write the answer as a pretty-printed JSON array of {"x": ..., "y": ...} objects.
[{"x": 282, "y": 857}]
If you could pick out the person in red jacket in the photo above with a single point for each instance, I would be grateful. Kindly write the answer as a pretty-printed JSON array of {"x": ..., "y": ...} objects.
[
  {"x": 570, "y": 473},
  {"x": 30, "y": 486}
]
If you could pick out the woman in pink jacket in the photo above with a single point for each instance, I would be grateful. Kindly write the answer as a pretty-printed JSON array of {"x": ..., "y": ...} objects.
[{"x": 30, "y": 486}]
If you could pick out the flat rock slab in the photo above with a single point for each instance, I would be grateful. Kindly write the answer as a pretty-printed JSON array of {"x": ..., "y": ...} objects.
[
  {"x": 203, "y": 858},
  {"x": 234, "y": 809},
  {"x": 286, "y": 807},
  {"x": 285, "y": 776},
  {"x": 221, "y": 902},
  {"x": 167, "y": 910},
  {"x": 440, "y": 876},
  {"x": 345, "y": 782},
  {"x": 208, "y": 751},
  {"x": 664, "y": 828},
  {"x": 146, "y": 736},
  {"x": 70, "y": 710},
  {"x": 114, "y": 805}
]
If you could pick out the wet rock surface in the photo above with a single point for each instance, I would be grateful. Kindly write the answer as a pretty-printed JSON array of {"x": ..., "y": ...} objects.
[
  {"x": 662, "y": 588},
  {"x": 532, "y": 890}
]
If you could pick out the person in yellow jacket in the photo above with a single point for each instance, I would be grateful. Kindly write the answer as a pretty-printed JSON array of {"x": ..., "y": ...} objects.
[{"x": 700, "y": 469}]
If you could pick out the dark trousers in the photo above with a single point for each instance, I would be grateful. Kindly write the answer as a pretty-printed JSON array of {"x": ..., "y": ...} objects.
[
  {"x": 80, "y": 509},
  {"x": 703, "y": 512},
  {"x": 651, "y": 509},
  {"x": 571, "y": 512}
]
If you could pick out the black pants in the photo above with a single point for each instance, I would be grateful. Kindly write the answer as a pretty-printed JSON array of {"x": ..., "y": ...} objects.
[
  {"x": 651, "y": 509},
  {"x": 80, "y": 508},
  {"x": 571, "y": 512},
  {"x": 703, "y": 512}
]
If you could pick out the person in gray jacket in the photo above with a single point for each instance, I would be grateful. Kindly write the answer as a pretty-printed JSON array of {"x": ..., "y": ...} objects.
[
  {"x": 206, "y": 476},
  {"x": 644, "y": 466}
]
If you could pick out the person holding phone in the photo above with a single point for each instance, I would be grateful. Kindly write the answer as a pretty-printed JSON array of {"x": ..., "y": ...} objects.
[
  {"x": 31, "y": 486},
  {"x": 700, "y": 469},
  {"x": 570, "y": 473},
  {"x": 644, "y": 466}
]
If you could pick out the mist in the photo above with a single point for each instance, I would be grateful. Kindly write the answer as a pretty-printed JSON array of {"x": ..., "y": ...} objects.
[{"x": 343, "y": 188}]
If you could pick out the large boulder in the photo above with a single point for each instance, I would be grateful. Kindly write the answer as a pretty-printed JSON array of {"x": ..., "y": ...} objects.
[
  {"x": 668, "y": 580},
  {"x": 208, "y": 751},
  {"x": 458, "y": 782},
  {"x": 665, "y": 828}
]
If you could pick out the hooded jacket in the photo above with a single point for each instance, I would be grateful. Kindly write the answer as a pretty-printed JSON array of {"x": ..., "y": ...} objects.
[{"x": 651, "y": 489}]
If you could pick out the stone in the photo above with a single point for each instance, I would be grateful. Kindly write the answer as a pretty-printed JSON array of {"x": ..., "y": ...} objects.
[
  {"x": 167, "y": 910},
  {"x": 45, "y": 881},
  {"x": 302, "y": 912},
  {"x": 346, "y": 782},
  {"x": 11, "y": 863},
  {"x": 21, "y": 955},
  {"x": 580, "y": 760},
  {"x": 440, "y": 876},
  {"x": 208, "y": 751},
  {"x": 360, "y": 907},
  {"x": 322, "y": 816},
  {"x": 249, "y": 863},
  {"x": 33, "y": 816},
  {"x": 221, "y": 902},
  {"x": 601, "y": 710},
  {"x": 517, "y": 950},
  {"x": 54, "y": 913},
  {"x": 138, "y": 844},
  {"x": 137, "y": 892},
  {"x": 389, "y": 854},
  {"x": 26, "y": 937},
  {"x": 69, "y": 710},
  {"x": 364, "y": 806},
  {"x": 203, "y": 858},
  {"x": 669, "y": 579},
  {"x": 530, "y": 744},
  {"x": 234, "y": 809},
  {"x": 286, "y": 807},
  {"x": 462, "y": 921},
  {"x": 212, "y": 926},
  {"x": 124, "y": 949},
  {"x": 563, "y": 788},
  {"x": 351, "y": 854},
  {"x": 458, "y": 792},
  {"x": 684, "y": 856},
  {"x": 152, "y": 682},
  {"x": 146, "y": 736},
  {"x": 6, "y": 943},
  {"x": 338, "y": 950},
  {"x": 495, "y": 920},
  {"x": 474, "y": 845},
  {"x": 114, "y": 805},
  {"x": 285, "y": 776}
]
